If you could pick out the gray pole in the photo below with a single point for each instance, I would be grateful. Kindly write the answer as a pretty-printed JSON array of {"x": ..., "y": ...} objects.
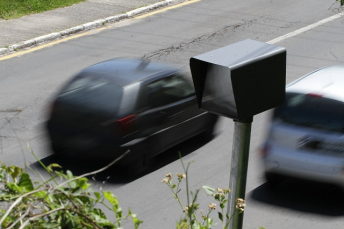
[{"x": 238, "y": 176}]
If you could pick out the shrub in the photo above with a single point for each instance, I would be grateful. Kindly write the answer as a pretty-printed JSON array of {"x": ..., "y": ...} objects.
[
  {"x": 199, "y": 219},
  {"x": 72, "y": 203}
]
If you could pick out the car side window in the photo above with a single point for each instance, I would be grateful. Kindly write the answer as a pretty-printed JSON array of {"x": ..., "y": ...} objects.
[{"x": 168, "y": 90}]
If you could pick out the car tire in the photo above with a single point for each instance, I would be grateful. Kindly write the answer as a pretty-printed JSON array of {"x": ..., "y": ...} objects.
[
  {"x": 57, "y": 147},
  {"x": 207, "y": 134}
]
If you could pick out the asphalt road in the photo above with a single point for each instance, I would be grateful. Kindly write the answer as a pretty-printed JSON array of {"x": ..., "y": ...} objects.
[{"x": 29, "y": 81}]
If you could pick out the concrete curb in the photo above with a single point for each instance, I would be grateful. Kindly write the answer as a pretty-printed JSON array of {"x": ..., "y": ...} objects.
[{"x": 87, "y": 26}]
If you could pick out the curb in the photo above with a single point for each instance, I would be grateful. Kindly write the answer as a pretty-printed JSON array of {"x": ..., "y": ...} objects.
[{"x": 87, "y": 26}]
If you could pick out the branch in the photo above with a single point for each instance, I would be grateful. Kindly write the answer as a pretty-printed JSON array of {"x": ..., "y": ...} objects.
[
  {"x": 40, "y": 162},
  {"x": 68, "y": 197},
  {"x": 59, "y": 209},
  {"x": 20, "y": 218},
  {"x": 88, "y": 219},
  {"x": 53, "y": 189},
  {"x": 16, "y": 202},
  {"x": 37, "y": 216},
  {"x": 12, "y": 110},
  {"x": 94, "y": 172}
]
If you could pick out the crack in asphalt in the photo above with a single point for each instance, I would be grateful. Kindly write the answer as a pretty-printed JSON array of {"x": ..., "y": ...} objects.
[
  {"x": 8, "y": 123},
  {"x": 290, "y": 25},
  {"x": 177, "y": 47}
]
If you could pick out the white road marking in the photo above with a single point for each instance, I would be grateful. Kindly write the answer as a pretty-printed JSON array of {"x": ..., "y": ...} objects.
[{"x": 304, "y": 29}]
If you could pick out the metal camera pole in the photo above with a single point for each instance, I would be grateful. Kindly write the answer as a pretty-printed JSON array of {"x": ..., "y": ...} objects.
[
  {"x": 237, "y": 81},
  {"x": 239, "y": 165}
]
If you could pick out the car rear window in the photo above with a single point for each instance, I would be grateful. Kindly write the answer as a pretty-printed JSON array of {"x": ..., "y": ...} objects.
[
  {"x": 312, "y": 111},
  {"x": 92, "y": 93}
]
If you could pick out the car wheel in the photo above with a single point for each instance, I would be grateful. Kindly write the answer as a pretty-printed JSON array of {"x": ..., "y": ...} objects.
[
  {"x": 207, "y": 134},
  {"x": 57, "y": 147}
]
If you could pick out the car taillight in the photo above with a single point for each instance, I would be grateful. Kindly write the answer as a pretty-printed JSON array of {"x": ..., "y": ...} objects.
[
  {"x": 264, "y": 151},
  {"x": 126, "y": 124},
  {"x": 315, "y": 95}
]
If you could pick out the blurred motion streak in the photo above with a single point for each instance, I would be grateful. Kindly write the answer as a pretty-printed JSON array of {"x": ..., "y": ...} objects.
[
  {"x": 123, "y": 104},
  {"x": 306, "y": 135}
]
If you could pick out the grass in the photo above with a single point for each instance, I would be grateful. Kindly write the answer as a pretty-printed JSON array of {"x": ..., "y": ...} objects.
[{"x": 10, "y": 9}]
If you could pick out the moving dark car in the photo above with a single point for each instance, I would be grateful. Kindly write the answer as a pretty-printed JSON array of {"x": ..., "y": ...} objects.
[{"x": 125, "y": 104}]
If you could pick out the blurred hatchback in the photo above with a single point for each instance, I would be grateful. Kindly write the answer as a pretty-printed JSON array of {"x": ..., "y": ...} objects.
[
  {"x": 306, "y": 138},
  {"x": 125, "y": 104}
]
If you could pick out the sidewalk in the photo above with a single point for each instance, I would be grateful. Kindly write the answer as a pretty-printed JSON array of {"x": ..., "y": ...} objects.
[{"x": 34, "y": 29}]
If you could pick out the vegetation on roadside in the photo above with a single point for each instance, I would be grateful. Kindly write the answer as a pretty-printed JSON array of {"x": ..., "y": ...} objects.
[
  {"x": 193, "y": 217},
  {"x": 69, "y": 204},
  {"x": 10, "y": 9},
  {"x": 66, "y": 201}
]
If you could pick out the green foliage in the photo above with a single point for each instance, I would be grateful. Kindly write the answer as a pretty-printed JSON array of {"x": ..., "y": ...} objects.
[
  {"x": 10, "y": 9},
  {"x": 341, "y": 2},
  {"x": 70, "y": 204},
  {"x": 194, "y": 219}
]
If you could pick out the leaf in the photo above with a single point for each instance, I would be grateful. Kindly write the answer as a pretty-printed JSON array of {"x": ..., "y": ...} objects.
[
  {"x": 97, "y": 194},
  {"x": 173, "y": 186},
  {"x": 228, "y": 224},
  {"x": 222, "y": 198},
  {"x": 69, "y": 174},
  {"x": 112, "y": 199},
  {"x": 195, "y": 197},
  {"x": 220, "y": 216},
  {"x": 119, "y": 212},
  {"x": 80, "y": 186},
  {"x": 209, "y": 222},
  {"x": 49, "y": 225},
  {"x": 209, "y": 190},
  {"x": 136, "y": 221},
  {"x": 83, "y": 183},
  {"x": 9, "y": 220},
  {"x": 61, "y": 174},
  {"x": 222, "y": 206},
  {"x": 101, "y": 219},
  {"x": 51, "y": 166},
  {"x": 182, "y": 223},
  {"x": 79, "y": 201},
  {"x": 13, "y": 187},
  {"x": 25, "y": 183},
  {"x": 14, "y": 171},
  {"x": 72, "y": 184}
]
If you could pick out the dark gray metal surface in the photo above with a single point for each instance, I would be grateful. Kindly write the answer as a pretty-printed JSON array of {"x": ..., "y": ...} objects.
[
  {"x": 240, "y": 80},
  {"x": 238, "y": 171}
]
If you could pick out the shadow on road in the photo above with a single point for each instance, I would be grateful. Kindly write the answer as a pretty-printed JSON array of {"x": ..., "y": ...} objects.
[
  {"x": 303, "y": 196},
  {"x": 121, "y": 174}
]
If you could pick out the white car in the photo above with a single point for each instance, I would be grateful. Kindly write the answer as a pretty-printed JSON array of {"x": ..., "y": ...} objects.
[{"x": 306, "y": 136}]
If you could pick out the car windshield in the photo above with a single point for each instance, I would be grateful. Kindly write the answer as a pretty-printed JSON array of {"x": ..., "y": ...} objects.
[{"x": 312, "y": 111}]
